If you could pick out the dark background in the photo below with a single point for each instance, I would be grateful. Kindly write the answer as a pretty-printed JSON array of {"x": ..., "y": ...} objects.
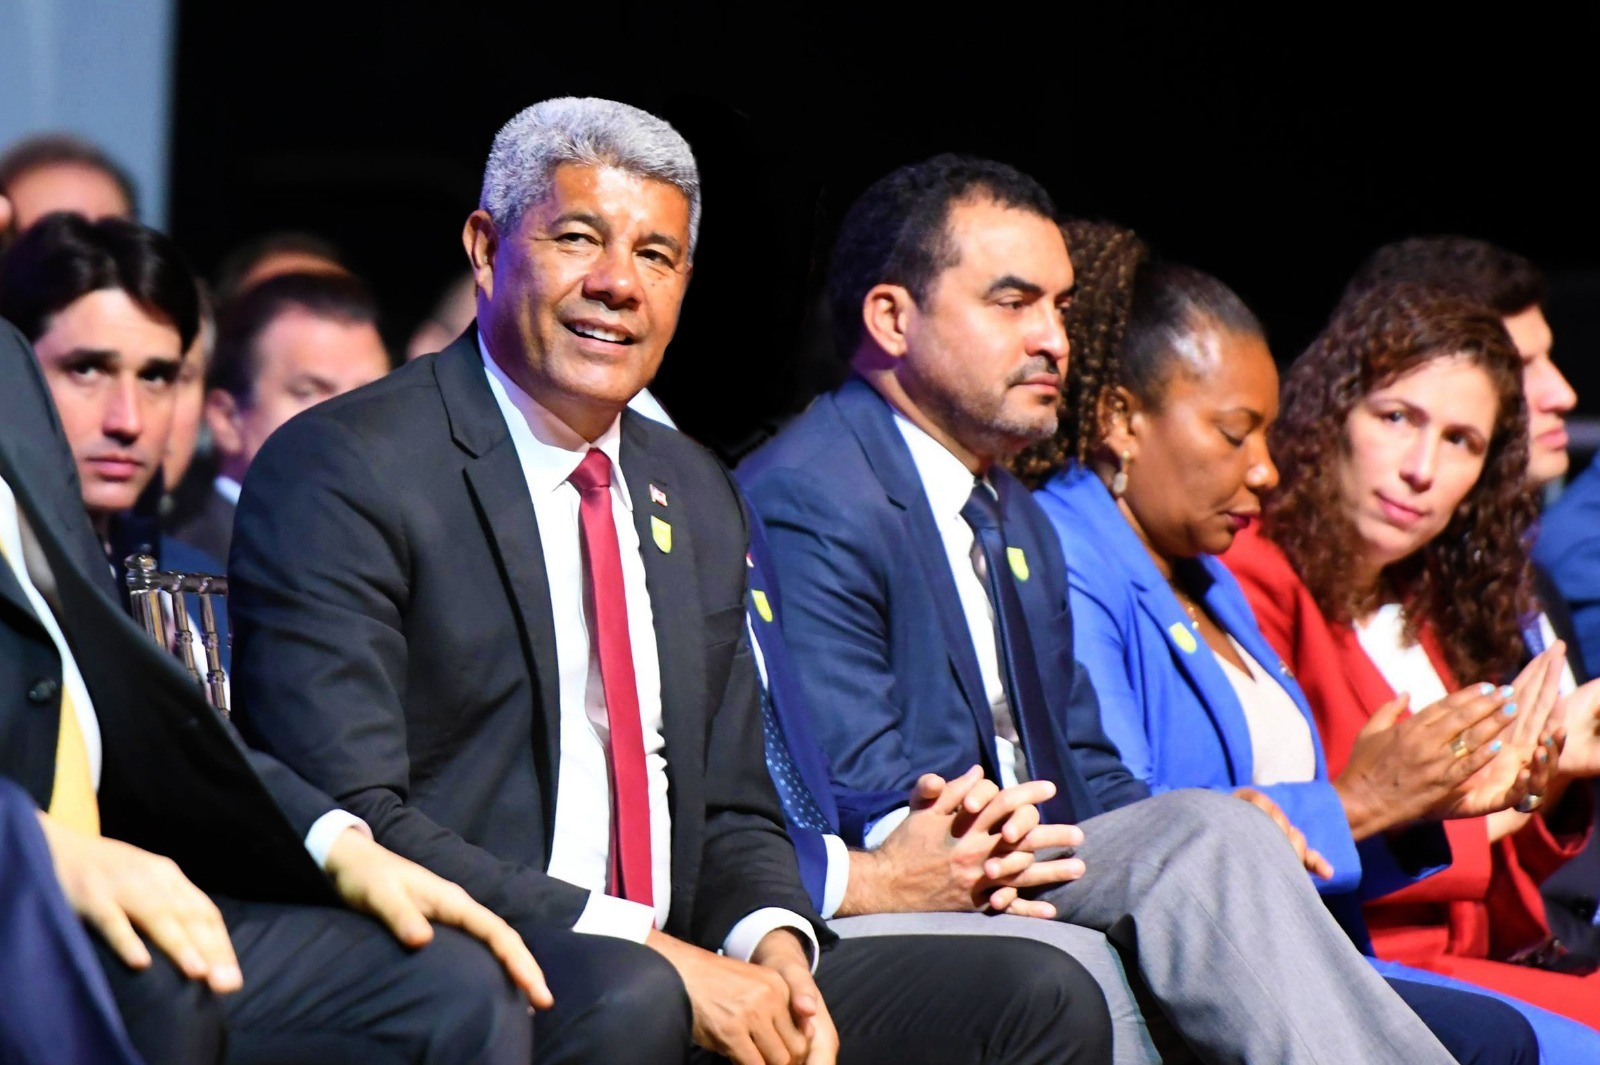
[{"x": 1274, "y": 150}]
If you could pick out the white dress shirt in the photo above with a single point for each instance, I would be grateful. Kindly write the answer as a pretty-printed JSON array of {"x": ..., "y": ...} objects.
[
  {"x": 1281, "y": 748},
  {"x": 228, "y": 489},
  {"x": 549, "y": 452},
  {"x": 32, "y": 571}
]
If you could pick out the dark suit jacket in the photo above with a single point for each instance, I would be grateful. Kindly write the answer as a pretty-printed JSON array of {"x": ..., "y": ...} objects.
[
  {"x": 174, "y": 778},
  {"x": 210, "y": 527},
  {"x": 873, "y": 620},
  {"x": 393, "y": 641}
]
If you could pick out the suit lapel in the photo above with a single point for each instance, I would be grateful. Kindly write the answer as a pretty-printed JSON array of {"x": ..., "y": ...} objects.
[
  {"x": 497, "y": 483},
  {"x": 871, "y": 419},
  {"x": 670, "y": 577}
]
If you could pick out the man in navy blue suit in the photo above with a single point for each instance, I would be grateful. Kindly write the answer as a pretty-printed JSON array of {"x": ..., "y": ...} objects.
[{"x": 925, "y": 608}]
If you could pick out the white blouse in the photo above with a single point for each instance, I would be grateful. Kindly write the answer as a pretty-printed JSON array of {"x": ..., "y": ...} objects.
[
  {"x": 1281, "y": 746},
  {"x": 1406, "y": 666}
]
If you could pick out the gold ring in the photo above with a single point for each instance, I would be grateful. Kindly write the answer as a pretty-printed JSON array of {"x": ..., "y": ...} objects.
[{"x": 1458, "y": 746}]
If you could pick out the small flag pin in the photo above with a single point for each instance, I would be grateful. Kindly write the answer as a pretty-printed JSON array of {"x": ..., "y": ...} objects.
[{"x": 657, "y": 496}]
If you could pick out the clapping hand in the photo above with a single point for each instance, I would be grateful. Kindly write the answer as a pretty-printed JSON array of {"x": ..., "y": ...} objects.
[{"x": 1526, "y": 761}]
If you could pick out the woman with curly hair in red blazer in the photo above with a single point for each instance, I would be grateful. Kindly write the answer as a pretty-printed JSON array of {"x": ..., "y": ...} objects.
[{"x": 1392, "y": 560}]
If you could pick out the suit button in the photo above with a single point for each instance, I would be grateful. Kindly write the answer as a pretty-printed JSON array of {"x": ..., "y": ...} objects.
[{"x": 44, "y": 690}]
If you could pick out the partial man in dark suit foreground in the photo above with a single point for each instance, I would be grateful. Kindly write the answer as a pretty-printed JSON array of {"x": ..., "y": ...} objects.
[
  {"x": 925, "y": 607},
  {"x": 215, "y": 882},
  {"x": 501, "y": 618}
]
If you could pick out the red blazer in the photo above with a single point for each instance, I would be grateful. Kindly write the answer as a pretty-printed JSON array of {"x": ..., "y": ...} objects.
[{"x": 1486, "y": 904}]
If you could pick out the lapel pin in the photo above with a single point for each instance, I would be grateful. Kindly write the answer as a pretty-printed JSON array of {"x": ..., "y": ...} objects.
[
  {"x": 763, "y": 607},
  {"x": 1182, "y": 637},
  {"x": 1019, "y": 562},
  {"x": 661, "y": 532},
  {"x": 749, "y": 563},
  {"x": 657, "y": 496}
]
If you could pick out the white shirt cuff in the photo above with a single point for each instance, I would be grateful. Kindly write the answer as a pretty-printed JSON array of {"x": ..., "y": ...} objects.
[
  {"x": 326, "y": 829},
  {"x": 838, "y": 879},
  {"x": 884, "y": 825},
  {"x": 607, "y": 915},
  {"x": 753, "y": 928}
]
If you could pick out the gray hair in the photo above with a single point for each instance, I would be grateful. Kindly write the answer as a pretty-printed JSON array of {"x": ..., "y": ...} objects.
[{"x": 589, "y": 131}]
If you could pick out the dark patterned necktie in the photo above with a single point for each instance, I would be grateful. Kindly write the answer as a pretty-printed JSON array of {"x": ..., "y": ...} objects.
[
  {"x": 798, "y": 802},
  {"x": 1024, "y": 690}
]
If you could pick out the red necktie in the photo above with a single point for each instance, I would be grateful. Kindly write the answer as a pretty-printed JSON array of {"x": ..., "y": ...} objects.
[{"x": 630, "y": 792}]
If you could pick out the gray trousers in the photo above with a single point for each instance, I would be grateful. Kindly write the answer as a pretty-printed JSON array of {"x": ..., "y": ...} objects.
[{"x": 1231, "y": 939}]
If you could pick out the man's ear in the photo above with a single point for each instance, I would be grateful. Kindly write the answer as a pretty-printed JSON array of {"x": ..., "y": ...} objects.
[
  {"x": 481, "y": 240},
  {"x": 886, "y": 317},
  {"x": 1119, "y": 417},
  {"x": 222, "y": 418}
]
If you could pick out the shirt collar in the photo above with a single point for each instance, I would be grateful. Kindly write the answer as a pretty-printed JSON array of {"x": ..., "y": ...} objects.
[
  {"x": 549, "y": 448},
  {"x": 228, "y": 489},
  {"x": 945, "y": 478}
]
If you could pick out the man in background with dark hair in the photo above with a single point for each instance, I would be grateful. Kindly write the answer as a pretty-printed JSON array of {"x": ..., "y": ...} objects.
[
  {"x": 60, "y": 172},
  {"x": 273, "y": 255},
  {"x": 127, "y": 763},
  {"x": 287, "y": 344}
]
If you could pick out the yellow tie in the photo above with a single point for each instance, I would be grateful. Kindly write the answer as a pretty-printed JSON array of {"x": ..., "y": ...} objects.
[{"x": 72, "y": 798}]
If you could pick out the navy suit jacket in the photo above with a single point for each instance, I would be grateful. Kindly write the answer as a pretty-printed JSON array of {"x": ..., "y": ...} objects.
[
  {"x": 1171, "y": 709},
  {"x": 873, "y": 620},
  {"x": 1568, "y": 548}
]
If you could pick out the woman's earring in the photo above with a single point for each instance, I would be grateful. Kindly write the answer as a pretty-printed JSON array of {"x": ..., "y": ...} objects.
[{"x": 1119, "y": 480}]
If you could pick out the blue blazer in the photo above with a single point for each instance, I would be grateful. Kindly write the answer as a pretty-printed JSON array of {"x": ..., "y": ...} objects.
[
  {"x": 1170, "y": 708},
  {"x": 874, "y": 623}
]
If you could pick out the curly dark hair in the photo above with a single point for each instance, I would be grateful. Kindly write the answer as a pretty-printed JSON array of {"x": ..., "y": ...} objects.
[
  {"x": 1128, "y": 316},
  {"x": 1473, "y": 581},
  {"x": 1105, "y": 259},
  {"x": 1473, "y": 269}
]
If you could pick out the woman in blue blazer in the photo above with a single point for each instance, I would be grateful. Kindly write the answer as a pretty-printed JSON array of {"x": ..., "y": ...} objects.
[{"x": 1171, "y": 381}]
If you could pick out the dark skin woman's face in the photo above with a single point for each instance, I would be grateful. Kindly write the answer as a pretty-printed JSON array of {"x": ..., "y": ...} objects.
[{"x": 1198, "y": 459}]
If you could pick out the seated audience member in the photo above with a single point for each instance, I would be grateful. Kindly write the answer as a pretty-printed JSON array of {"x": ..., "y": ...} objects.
[
  {"x": 1160, "y": 459},
  {"x": 925, "y": 610},
  {"x": 933, "y": 874},
  {"x": 1390, "y": 560},
  {"x": 287, "y": 344},
  {"x": 452, "y": 314},
  {"x": 273, "y": 255},
  {"x": 58, "y": 1009},
  {"x": 1514, "y": 288},
  {"x": 211, "y": 877},
  {"x": 60, "y": 172},
  {"x": 501, "y": 617}
]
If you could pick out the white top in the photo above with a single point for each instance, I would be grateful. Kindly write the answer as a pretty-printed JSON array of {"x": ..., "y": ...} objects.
[
  {"x": 1405, "y": 666},
  {"x": 32, "y": 571},
  {"x": 1569, "y": 682},
  {"x": 549, "y": 452},
  {"x": 1282, "y": 750}
]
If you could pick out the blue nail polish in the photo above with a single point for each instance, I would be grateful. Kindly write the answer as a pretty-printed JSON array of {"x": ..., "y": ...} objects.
[
  {"x": 1494, "y": 748},
  {"x": 1485, "y": 688},
  {"x": 1511, "y": 709},
  {"x": 1544, "y": 756},
  {"x": 1507, "y": 691}
]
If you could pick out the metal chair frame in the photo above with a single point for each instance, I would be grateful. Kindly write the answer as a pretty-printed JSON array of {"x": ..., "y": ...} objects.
[{"x": 145, "y": 585}]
